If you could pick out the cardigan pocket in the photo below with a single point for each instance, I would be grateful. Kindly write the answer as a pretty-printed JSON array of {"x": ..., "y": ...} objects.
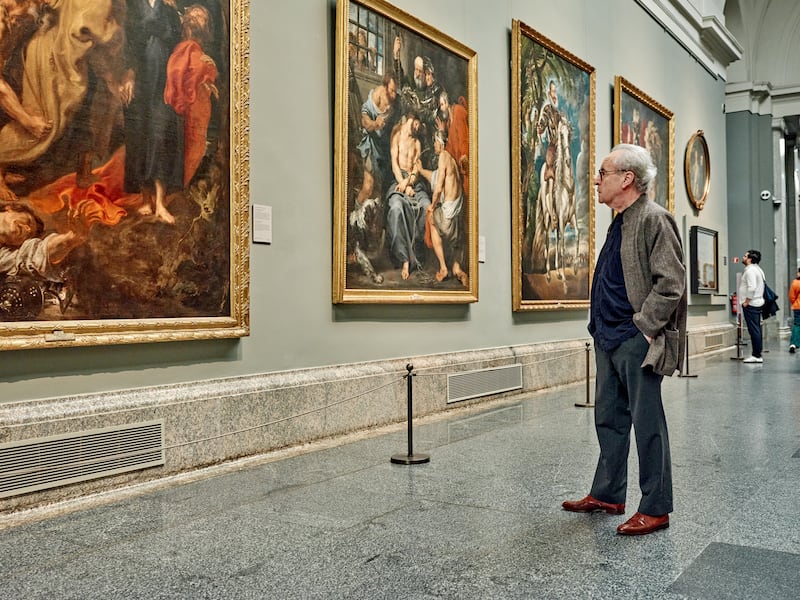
[{"x": 664, "y": 353}]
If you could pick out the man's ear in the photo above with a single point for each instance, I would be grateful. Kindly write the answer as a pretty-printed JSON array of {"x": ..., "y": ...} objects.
[{"x": 628, "y": 180}]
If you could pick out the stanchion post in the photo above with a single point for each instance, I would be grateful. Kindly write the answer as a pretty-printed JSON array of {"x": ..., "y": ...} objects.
[
  {"x": 410, "y": 458},
  {"x": 739, "y": 342},
  {"x": 588, "y": 403},
  {"x": 686, "y": 360}
]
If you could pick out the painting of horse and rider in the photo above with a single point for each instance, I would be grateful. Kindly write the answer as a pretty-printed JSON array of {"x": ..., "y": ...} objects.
[{"x": 553, "y": 99}]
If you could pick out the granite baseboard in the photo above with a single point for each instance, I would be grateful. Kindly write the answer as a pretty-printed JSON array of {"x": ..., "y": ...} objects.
[{"x": 215, "y": 421}]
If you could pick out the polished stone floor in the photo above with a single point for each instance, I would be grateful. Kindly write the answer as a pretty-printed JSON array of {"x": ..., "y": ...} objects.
[{"x": 481, "y": 520}]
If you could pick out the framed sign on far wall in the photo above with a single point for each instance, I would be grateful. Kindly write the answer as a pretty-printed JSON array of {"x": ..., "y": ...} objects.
[
  {"x": 641, "y": 120},
  {"x": 405, "y": 162},
  {"x": 126, "y": 172},
  {"x": 552, "y": 148}
]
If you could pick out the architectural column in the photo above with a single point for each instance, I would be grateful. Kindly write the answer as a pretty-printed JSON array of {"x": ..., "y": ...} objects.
[
  {"x": 793, "y": 208},
  {"x": 779, "y": 201}
]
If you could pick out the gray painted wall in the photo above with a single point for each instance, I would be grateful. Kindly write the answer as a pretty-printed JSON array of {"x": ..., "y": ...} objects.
[
  {"x": 750, "y": 220},
  {"x": 293, "y": 322}
]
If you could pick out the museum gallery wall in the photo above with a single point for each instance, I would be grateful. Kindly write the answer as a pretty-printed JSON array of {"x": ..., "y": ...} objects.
[{"x": 308, "y": 167}]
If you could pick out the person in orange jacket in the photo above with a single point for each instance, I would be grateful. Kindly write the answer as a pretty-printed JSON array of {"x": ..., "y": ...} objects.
[{"x": 794, "y": 298}]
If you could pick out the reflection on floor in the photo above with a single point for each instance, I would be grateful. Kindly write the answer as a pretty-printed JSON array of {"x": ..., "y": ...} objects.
[{"x": 481, "y": 520}]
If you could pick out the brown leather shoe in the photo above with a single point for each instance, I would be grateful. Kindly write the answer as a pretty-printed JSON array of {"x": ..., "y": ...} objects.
[
  {"x": 640, "y": 524},
  {"x": 590, "y": 504}
]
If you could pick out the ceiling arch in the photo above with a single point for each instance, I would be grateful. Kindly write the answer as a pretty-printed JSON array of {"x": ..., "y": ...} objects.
[{"x": 769, "y": 32}]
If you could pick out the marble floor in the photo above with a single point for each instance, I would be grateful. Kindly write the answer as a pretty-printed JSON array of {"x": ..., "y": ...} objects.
[{"x": 482, "y": 519}]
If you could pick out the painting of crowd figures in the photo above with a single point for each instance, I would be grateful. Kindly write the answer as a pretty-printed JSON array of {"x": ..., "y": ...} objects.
[
  {"x": 405, "y": 214},
  {"x": 640, "y": 120},
  {"x": 117, "y": 220},
  {"x": 553, "y": 99}
]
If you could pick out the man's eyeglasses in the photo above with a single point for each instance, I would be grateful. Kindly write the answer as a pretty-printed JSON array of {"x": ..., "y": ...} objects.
[{"x": 602, "y": 172}]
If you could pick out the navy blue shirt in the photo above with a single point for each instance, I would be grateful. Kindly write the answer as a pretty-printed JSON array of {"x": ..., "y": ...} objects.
[{"x": 611, "y": 315}]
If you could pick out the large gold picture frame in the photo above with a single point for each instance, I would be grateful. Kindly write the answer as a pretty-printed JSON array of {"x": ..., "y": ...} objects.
[
  {"x": 641, "y": 120},
  {"x": 405, "y": 225},
  {"x": 553, "y": 135},
  {"x": 124, "y": 209}
]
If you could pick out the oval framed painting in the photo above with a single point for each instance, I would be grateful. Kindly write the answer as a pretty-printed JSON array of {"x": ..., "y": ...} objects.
[{"x": 697, "y": 170}]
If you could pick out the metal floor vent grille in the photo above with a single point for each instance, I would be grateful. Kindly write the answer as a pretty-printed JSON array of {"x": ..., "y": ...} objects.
[
  {"x": 37, "y": 464},
  {"x": 483, "y": 382},
  {"x": 714, "y": 341}
]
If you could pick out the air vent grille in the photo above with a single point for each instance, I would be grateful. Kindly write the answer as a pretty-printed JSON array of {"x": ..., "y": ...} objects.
[
  {"x": 483, "y": 382},
  {"x": 37, "y": 464},
  {"x": 714, "y": 341}
]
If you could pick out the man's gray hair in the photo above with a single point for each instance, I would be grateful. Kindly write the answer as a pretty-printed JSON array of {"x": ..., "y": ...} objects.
[{"x": 636, "y": 159}]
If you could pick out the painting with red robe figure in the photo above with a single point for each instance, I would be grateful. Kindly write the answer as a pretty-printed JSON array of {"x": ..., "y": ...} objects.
[
  {"x": 123, "y": 171},
  {"x": 641, "y": 120},
  {"x": 405, "y": 214}
]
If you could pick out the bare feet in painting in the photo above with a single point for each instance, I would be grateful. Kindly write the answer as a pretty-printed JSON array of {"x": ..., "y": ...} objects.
[
  {"x": 159, "y": 211},
  {"x": 442, "y": 274},
  {"x": 162, "y": 214},
  {"x": 460, "y": 275},
  {"x": 37, "y": 126},
  {"x": 404, "y": 272},
  {"x": 145, "y": 209}
]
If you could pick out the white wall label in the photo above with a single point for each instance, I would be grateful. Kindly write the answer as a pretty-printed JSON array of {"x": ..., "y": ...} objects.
[{"x": 262, "y": 224}]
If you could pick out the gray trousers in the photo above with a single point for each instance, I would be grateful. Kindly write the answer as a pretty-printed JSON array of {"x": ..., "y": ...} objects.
[{"x": 627, "y": 395}]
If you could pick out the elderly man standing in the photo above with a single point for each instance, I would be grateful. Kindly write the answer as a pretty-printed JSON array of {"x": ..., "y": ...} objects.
[{"x": 638, "y": 322}]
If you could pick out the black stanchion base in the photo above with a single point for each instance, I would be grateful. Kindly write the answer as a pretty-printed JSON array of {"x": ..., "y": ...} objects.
[
  {"x": 739, "y": 346},
  {"x": 685, "y": 375},
  {"x": 585, "y": 404},
  {"x": 410, "y": 459}
]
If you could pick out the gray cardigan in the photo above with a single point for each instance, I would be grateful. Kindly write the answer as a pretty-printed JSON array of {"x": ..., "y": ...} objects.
[{"x": 655, "y": 282}]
